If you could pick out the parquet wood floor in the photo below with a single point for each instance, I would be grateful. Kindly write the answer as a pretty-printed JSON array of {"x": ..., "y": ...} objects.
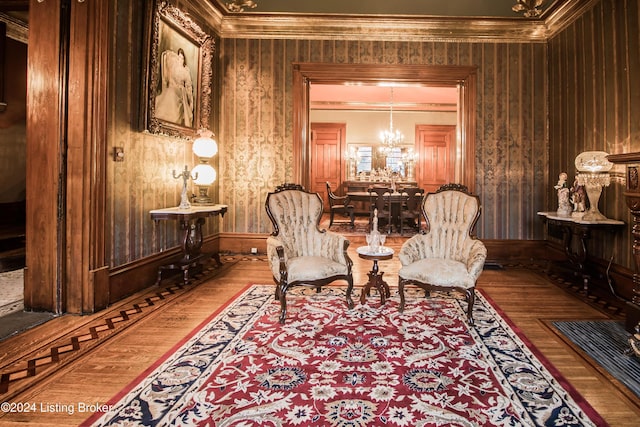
[{"x": 99, "y": 355}]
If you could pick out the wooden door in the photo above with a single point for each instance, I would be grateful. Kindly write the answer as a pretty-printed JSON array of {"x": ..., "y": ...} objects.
[
  {"x": 436, "y": 145},
  {"x": 328, "y": 142}
]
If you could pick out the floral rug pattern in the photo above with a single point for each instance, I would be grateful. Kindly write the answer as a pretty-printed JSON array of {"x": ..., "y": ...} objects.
[{"x": 330, "y": 366}]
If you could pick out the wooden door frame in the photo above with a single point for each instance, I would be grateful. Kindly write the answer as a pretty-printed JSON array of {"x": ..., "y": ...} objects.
[
  {"x": 66, "y": 266},
  {"x": 462, "y": 77}
]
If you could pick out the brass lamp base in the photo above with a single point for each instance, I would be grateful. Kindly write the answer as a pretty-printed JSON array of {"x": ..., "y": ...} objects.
[{"x": 202, "y": 199}]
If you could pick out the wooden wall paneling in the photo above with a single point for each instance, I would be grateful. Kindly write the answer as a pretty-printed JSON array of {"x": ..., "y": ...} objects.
[
  {"x": 86, "y": 281},
  {"x": 45, "y": 145},
  {"x": 66, "y": 146},
  {"x": 3, "y": 48}
]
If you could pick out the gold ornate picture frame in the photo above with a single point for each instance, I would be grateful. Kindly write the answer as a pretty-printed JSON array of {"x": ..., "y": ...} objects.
[{"x": 179, "y": 73}]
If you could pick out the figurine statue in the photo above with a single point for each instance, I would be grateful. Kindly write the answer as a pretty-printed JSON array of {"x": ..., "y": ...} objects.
[
  {"x": 578, "y": 197},
  {"x": 564, "y": 202}
]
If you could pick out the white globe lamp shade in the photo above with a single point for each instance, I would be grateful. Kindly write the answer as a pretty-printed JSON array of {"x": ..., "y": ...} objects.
[
  {"x": 206, "y": 174},
  {"x": 205, "y": 146}
]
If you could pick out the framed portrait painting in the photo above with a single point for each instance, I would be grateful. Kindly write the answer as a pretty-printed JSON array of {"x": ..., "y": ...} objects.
[{"x": 180, "y": 63}]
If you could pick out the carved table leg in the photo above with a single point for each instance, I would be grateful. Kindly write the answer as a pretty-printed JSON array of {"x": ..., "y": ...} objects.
[
  {"x": 578, "y": 256},
  {"x": 375, "y": 281}
]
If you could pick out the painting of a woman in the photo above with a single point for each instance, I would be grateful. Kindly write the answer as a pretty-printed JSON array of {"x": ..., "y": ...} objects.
[{"x": 175, "y": 101}]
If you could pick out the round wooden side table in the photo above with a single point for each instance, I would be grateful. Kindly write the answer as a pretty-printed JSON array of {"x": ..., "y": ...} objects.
[{"x": 375, "y": 276}]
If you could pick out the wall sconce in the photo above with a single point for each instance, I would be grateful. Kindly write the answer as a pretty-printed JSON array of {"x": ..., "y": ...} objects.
[
  {"x": 205, "y": 147},
  {"x": 593, "y": 173}
]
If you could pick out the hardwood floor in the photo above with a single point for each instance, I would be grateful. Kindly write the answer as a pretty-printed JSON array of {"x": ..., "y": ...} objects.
[{"x": 96, "y": 356}]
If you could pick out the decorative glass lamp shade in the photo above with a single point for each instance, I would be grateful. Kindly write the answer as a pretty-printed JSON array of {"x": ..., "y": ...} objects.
[
  {"x": 593, "y": 173},
  {"x": 205, "y": 146},
  {"x": 205, "y": 175},
  {"x": 593, "y": 161}
]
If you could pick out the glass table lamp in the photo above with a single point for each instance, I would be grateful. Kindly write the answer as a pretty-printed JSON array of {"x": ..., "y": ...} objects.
[
  {"x": 205, "y": 147},
  {"x": 593, "y": 173}
]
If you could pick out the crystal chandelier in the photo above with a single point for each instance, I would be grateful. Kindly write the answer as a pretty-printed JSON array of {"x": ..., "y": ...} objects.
[
  {"x": 531, "y": 8},
  {"x": 390, "y": 138}
]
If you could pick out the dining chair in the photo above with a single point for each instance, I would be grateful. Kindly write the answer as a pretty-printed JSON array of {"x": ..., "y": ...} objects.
[
  {"x": 340, "y": 205},
  {"x": 381, "y": 203},
  {"x": 411, "y": 209}
]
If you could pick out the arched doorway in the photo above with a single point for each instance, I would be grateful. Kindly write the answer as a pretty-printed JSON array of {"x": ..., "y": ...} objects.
[{"x": 463, "y": 77}]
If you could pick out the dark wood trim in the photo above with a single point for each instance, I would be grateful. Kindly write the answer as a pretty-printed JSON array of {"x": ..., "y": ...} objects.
[
  {"x": 66, "y": 145},
  {"x": 463, "y": 77},
  {"x": 624, "y": 158},
  {"x": 130, "y": 278},
  {"x": 86, "y": 155},
  {"x": 3, "y": 39},
  {"x": 241, "y": 243},
  {"x": 45, "y": 121}
]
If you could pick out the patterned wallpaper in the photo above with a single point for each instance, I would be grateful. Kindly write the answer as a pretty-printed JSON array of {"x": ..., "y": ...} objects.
[
  {"x": 144, "y": 180},
  {"x": 511, "y": 158},
  {"x": 595, "y": 105},
  {"x": 534, "y": 115}
]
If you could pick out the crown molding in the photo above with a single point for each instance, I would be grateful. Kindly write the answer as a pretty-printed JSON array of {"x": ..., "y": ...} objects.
[
  {"x": 565, "y": 14},
  {"x": 386, "y": 29},
  {"x": 427, "y": 29},
  {"x": 16, "y": 29}
]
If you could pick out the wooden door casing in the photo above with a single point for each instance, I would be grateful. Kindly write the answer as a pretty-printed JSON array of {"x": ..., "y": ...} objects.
[
  {"x": 463, "y": 77},
  {"x": 436, "y": 146},
  {"x": 328, "y": 142}
]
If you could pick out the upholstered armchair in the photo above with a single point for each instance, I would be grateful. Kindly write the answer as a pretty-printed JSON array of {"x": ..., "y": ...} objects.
[
  {"x": 447, "y": 256},
  {"x": 300, "y": 254}
]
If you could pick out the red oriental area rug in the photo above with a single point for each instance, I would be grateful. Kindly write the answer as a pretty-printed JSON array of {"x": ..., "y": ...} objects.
[{"x": 370, "y": 366}]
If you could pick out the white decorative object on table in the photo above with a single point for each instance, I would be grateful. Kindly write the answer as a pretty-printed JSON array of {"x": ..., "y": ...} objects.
[
  {"x": 185, "y": 175},
  {"x": 564, "y": 202},
  {"x": 373, "y": 238},
  {"x": 593, "y": 173}
]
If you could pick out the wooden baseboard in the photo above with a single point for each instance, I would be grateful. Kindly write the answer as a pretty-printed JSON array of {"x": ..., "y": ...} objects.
[
  {"x": 133, "y": 277},
  {"x": 509, "y": 251},
  {"x": 242, "y": 243}
]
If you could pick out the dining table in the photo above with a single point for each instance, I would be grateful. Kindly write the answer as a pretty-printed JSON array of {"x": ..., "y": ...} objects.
[{"x": 395, "y": 199}]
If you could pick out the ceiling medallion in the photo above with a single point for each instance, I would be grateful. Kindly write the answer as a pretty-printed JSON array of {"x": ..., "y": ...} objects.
[
  {"x": 531, "y": 8},
  {"x": 241, "y": 5}
]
